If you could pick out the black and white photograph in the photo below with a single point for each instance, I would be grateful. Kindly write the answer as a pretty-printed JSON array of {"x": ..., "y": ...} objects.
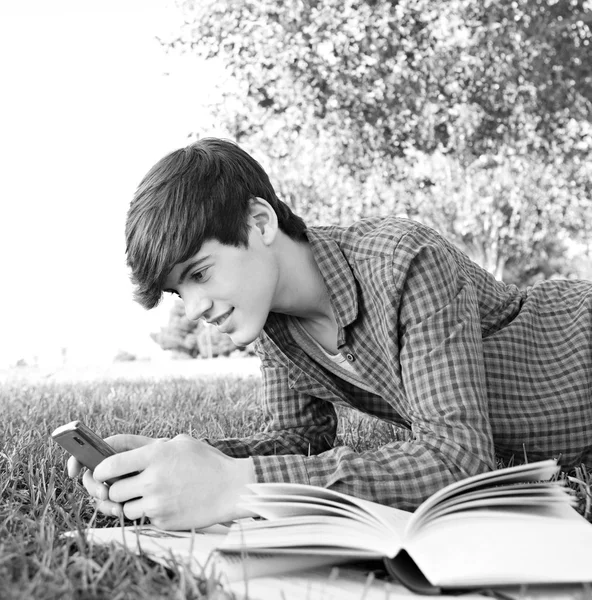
[{"x": 297, "y": 299}]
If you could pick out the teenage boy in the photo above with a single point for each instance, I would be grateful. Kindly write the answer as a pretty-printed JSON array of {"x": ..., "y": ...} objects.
[{"x": 384, "y": 316}]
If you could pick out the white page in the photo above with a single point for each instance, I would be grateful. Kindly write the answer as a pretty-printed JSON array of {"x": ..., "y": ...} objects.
[
  {"x": 198, "y": 552},
  {"x": 282, "y": 509},
  {"x": 302, "y": 533},
  {"x": 550, "y": 489},
  {"x": 542, "y": 470},
  {"x": 392, "y": 519},
  {"x": 292, "y": 504},
  {"x": 342, "y": 583},
  {"x": 519, "y": 503},
  {"x": 337, "y": 583},
  {"x": 492, "y": 547},
  {"x": 192, "y": 549}
]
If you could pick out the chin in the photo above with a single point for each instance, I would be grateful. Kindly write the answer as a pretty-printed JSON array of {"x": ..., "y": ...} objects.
[
  {"x": 242, "y": 342},
  {"x": 243, "y": 339}
]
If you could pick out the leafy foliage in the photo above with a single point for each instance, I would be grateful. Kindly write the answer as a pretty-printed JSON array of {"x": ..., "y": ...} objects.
[
  {"x": 189, "y": 339},
  {"x": 466, "y": 110},
  {"x": 502, "y": 212},
  {"x": 472, "y": 77},
  {"x": 179, "y": 335}
]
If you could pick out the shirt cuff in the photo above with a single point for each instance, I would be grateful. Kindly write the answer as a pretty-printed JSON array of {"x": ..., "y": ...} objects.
[{"x": 289, "y": 468}]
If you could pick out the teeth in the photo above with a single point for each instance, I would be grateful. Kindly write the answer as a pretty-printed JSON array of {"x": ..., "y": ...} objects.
[{"x": 221, "y": 319}]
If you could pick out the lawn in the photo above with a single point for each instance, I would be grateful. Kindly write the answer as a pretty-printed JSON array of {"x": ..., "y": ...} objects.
[{"x": 39, "y": 502}]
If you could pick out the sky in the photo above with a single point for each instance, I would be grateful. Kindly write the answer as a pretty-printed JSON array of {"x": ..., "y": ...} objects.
[{"x": 90, "y": 101}]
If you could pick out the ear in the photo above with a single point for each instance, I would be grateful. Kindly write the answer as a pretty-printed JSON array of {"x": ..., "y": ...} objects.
[{"x": 262, "y": 216}]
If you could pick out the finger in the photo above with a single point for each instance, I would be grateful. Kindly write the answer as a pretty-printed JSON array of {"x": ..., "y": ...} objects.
[
  {"x": 136, "y": 509},
  {"x": 93, "y": 487},
  {"x": 124, "y": 463},
  {"x": 126, "y": 441},
  {"x": 74, "y": 467},
  {"x": 109, "y": 508},
  {"x": 126, "y": 489}
]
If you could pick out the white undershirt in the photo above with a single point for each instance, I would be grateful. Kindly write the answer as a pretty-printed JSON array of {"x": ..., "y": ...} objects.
[{"x": 299, "y": 332}]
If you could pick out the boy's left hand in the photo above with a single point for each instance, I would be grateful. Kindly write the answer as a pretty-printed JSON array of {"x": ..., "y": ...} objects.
[{"x": 181, "y": 483}]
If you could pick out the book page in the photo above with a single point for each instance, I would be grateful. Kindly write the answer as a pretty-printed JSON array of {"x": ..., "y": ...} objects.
[
  {"x": 274, "y": 506},
  {"x": 532, "y": 472},
  {"x": 519, "y": 498},
  {"x": 304, "y": 533},
  {"x": 197, "y": 552},
  {"x": 192, "y": 549},
  {"x": 497, "y": 546},
  {"x": 312, "y": 500},
  {"x": 337, "y": 583}
]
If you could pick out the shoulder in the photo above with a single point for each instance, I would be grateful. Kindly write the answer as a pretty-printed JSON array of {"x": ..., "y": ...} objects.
[
  {"x": 380, "y": 235},
  {"x": 392, "y": 239}
]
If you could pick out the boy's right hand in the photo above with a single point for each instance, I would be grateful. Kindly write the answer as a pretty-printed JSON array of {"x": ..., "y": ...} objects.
[{"x": 98, "y": 490}]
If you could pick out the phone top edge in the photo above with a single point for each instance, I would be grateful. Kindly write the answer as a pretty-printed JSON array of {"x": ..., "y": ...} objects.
[{"x": 73, "y": 425}]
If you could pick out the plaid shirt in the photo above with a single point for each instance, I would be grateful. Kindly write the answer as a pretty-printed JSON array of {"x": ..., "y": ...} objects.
[{"x": 470, "y": 365}]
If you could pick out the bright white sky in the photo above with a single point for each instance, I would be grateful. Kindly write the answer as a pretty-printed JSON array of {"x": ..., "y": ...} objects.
[{"x": 89, "y": 102}]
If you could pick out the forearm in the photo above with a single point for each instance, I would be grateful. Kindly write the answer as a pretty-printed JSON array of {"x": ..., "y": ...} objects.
[
  {"x": 401, "y": 474},
  {"x": 296, "y": 424},
  {"x": 299, "y": 441}
]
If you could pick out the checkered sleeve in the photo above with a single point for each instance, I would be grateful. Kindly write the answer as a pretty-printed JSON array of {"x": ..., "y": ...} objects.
[{"x": 298, "y": 425}]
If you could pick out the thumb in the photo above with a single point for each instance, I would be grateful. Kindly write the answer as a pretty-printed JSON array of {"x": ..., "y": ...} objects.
[
  {"x": 129, "y": 457},
  {"x": 127, "y": 441}
]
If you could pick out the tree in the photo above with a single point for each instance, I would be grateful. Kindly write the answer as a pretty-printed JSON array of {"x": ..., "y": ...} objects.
[
  {"x": 352, "y": 98},
  {"x": 465, "y": 75},
  {"x": 179, "y": 335},
  {"x": 499, "y": 211},
  {"x": 124, "y": 356},
  {"x": 190, "y": 339}
]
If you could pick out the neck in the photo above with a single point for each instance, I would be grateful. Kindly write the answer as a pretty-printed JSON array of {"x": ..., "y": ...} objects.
[{"x": 301, "y": 290}]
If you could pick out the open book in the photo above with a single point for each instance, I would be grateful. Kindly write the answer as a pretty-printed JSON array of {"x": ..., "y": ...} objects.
[{"x": 510, "y": 526}]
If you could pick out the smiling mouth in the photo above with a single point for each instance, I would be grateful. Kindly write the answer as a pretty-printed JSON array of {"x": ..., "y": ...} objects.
[{"x": 217, "y": 322}]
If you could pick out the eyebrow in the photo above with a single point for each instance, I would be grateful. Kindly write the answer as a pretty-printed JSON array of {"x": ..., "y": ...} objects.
[{"x": 190, "y": 266}]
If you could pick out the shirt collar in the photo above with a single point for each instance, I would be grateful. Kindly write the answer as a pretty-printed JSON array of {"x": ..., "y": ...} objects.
[{"x": 336, "y": 272}]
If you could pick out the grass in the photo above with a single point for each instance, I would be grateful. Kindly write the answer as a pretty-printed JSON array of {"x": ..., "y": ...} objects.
[{"x": 39, "y": 502}]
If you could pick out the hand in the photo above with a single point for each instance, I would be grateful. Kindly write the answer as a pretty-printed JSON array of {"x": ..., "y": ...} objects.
[
  {"x": 181, "y": 483},
  {"x": 97, "y": 489}
]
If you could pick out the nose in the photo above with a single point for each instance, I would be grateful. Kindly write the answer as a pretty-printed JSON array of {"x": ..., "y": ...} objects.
[{"x": 196, "y": 306}]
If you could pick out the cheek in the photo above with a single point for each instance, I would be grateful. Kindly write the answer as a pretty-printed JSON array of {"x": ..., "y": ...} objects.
[{"x": 256, "y": 283}]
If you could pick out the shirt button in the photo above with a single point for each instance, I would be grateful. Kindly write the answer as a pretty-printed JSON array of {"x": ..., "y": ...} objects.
[{"x": 350, "y": 357}]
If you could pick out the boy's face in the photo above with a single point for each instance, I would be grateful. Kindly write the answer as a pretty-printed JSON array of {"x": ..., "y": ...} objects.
[{"x": 230, "y": 287}]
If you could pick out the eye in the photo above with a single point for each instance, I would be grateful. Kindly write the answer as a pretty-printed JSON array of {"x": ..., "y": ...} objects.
[{"x": 198, "y": 276}]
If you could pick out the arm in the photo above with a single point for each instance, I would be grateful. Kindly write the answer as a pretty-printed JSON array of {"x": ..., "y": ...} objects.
[
  {"x": 297, "y": 423},
  {"x": 185, "y": 482},
  {"x": 441, "y": 364}
]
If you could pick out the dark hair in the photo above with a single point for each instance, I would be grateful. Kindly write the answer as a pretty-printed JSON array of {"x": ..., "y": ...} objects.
[{"x": 192, "y": 195}]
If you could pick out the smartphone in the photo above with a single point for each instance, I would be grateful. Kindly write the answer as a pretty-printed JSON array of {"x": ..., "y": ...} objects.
[{"x": 82, "y": 443}]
